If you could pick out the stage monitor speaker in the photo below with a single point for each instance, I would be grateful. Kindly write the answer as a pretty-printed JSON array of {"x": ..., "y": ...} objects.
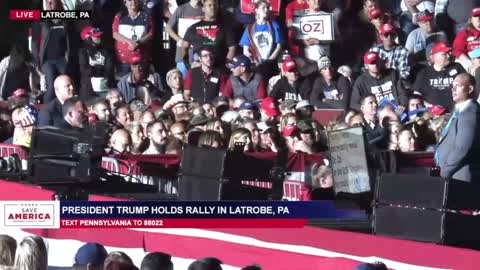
[
  {"x": 406, "y": 189},
  {"x": 409, "y": 223}
]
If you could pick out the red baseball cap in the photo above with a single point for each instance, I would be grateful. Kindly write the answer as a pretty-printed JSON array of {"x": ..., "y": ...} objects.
[
  {"x": 440, "y": 47},
  {"x": 424, "y": 16},
  {"x": 475, "y": 12},
  {"x": 135, "y": 60},
  {"x": 370, "y": 58},
  {"x": 289, "y": 130},
  {"x": 387, "y": 29},
  {"x": 90, "y": 31},
  {"x": 375, "y": 13},
  {"x": 19, "y": 93},
  {"x": 270, "y": 107},
  {"x": 92, "y": 117},
  {"x": 289, "y": 64}
]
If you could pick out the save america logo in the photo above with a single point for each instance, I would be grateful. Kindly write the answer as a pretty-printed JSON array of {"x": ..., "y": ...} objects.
[{"x": 31, "y": 214}]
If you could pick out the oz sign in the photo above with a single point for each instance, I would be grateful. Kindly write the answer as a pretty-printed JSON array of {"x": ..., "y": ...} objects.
[{"x": 319, "y": 26}]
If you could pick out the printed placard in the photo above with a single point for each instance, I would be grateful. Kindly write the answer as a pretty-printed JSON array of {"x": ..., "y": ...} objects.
[
  {"x": 318, "y": 26},
  {"x": 349, "y": 162}
]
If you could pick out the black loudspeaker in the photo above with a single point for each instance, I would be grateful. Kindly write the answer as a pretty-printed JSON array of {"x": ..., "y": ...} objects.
[
  {"x": 425, "y": 208},
  {"x": 65, "y": 156},
  {"x": 215, "y": 174},
  {"x": 408, "y": 189},
  {"x": 409, "y": 223},
  {"x": 201, "y": 173}
]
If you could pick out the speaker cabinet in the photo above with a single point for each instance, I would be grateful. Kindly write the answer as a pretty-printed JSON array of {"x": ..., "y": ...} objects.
[
  {"x": 428, "y": 209},
  {"x": 214, "y": 174},
  {"x": 409, "y": 223}
]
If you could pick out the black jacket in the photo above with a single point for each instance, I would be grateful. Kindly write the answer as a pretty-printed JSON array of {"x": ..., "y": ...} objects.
[
  {"x": 300, "y": 90},
  {"x": 88, "y": 71},
  {"x": 388, "y": 85},
  {"x": 52, "y": 115},
  {"x": 341, "y": 84}
]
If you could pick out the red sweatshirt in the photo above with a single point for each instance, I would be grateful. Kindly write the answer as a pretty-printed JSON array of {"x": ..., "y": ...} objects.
[{"x": 467, "y": 40}]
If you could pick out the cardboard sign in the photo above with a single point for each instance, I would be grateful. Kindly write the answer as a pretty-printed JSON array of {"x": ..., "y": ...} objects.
[
  {"x": 248, "y": 6},
  {"x": 184, "y": 24},
  {"x": 349, "y": 162},
  {"x": 319, "y": 26}
]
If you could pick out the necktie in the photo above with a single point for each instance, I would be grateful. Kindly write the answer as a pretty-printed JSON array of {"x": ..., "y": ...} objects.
[{"x": 444, "y": 133}]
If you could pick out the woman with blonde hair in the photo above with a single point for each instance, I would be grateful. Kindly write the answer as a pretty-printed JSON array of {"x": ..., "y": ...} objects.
[
  {"x": 138, "y": 139},
  {"x": 216, "y": 125},
  {"x": 241, "y": 135},
  {"x": 31, "y": 254},
  {"x": 8, "y": 245},
  {"x": 322, "y": 182},
  {"x": 288, "y": 119},
  {"x": 175, "y": 81}
]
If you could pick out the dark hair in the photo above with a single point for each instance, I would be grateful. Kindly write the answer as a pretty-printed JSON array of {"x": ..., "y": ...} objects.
[
  {"x": 100, "y": 100},
  {"x": 209, "y": 263},
  {"x": 362, "y": 100},
  {"x": 252, "y": 267},
  {"x": 157, "y": 261},
  {"x": 208, "y": 137},
  {"x": 415, "y": 96},
  {"x": 150, "y": 125},
  {"x": 69, "y": 104},
  {"x": 20, "y": 57},
  {"x": 122, "y": 106},
  {"x": 173, "y": 143},
  {"x": 206, "y": 48},
  {"x": 124, "y": 11}
]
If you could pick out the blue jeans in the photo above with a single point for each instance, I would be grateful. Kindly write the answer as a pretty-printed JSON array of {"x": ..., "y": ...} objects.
[
  {"x": 51, "y": 69},
  {"x": 183, "y": 68}
]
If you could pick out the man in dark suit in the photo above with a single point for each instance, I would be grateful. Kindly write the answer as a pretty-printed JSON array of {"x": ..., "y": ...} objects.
[
  {"x": 52, "y": 114},
  {"x": 458, "y": 150},
  {"x": 374, "y": 132}
]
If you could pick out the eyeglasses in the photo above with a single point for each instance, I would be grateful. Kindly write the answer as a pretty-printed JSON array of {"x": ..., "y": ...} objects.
[{"x": 390, "y": 35}]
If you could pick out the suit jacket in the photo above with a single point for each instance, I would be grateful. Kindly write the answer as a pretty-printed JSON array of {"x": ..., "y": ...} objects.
[
  {"x": 458, "y": 152},
  {"x": 52, "y": 115}
]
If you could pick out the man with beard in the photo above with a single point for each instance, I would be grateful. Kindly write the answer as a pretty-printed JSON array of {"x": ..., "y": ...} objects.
[
  {"x": 102, "y": 110},
  {"x": 434, "y": 82},
  {"x": 74, "y": 113},
  {"x": 157, "y": 133}
]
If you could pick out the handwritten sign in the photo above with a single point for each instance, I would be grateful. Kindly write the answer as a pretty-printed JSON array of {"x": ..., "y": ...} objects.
[
  {"x": 349, "y": 162},
  {"x": 319, "y": 26},
  {"x": 184, "y": 24},
  {"x": 248, "y": 6}
]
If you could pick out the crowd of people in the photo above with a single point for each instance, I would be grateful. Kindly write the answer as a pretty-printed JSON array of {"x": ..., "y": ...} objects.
[
  {"x": 252, "y": 79},
  {"x": 32, "y": 254}
]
